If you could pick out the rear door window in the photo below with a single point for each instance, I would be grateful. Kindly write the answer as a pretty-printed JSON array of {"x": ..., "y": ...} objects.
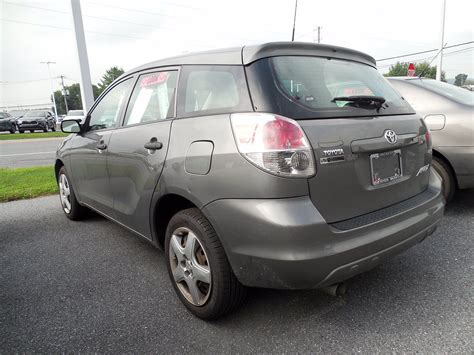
[
  {"x": 152, "y": 98},
  {"x": 206, "y": 90}
]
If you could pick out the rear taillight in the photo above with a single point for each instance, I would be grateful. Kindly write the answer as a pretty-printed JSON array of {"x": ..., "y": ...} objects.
[
  {"x": 274, "y": 143},
  {"x": 428, "y": 138},
  {"x": 427, "y": 135}
]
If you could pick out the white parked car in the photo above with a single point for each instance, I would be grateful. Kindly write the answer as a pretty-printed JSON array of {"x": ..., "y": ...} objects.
[{"x": 75, "y": 115}]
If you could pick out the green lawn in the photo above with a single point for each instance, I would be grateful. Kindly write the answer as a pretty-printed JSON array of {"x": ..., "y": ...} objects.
[
  {"x": 7, "y": 137},
  {"x": 22, "y": 183}
]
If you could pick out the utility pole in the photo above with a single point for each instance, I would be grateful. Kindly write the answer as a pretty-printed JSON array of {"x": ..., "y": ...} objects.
[
  {"x": 441, "y": 45},
  {"x": 86, "y": 83},
  {"x": 64, "y": 93},
  {"x": 319, "y": 34},
  {"x": 294, "y": 22},
  {"x": 52, "y": 88}
]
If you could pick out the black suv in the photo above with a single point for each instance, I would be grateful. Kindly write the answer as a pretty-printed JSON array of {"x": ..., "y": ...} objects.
[
  {"x": 37, "y": 120},
  {"x": 7, "y": 122}
]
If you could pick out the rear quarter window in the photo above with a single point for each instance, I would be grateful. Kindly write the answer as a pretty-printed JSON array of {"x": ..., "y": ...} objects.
[{"x": 209, "y": 90}]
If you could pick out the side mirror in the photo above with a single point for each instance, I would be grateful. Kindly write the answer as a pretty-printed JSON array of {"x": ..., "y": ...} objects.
[{"x": 71, "y": 126}]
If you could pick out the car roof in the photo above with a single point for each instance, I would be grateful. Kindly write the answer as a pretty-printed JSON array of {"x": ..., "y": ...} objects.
[{"x": 248, "y": 54}]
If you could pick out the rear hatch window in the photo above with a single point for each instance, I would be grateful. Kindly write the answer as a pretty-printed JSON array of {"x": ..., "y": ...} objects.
[{"x": 314, "y": 87}]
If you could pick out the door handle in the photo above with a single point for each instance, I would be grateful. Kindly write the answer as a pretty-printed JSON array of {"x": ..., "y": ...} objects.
[
  {"x": 101, "y": 146},
  {"x": 153, "y": 145}
]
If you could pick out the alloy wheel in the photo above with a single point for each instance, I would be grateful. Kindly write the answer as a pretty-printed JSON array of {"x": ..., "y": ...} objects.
[
  {"x": 190, "y": 266},
  {"x": 65, "y": 193}
]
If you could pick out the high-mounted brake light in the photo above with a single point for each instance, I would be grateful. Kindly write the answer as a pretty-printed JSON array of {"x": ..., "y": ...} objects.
[{"x": 273, "y": 143}]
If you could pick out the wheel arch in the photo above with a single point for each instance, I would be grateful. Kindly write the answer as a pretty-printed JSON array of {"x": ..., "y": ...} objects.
[
  {"x": 165, "y": 208},
  {"x": 57, "y": 166},
  {"x": 441, "y": 156}
]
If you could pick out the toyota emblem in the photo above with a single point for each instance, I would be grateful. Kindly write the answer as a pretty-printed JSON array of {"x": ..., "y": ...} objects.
[{"x": 390, "y": 136}]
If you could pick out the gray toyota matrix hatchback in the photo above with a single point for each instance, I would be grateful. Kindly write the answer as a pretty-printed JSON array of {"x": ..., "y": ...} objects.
[{"x": 283, "y": 165}]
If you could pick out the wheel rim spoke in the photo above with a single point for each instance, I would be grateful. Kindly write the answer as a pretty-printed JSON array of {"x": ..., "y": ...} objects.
[
  {"x": 194, "y": 291},
  {"x": 201, "y": 273},
  {"x": 190, "y": 246},
  {"x": 178, "y": 274},
  {"x": 67, "y": 203},
  {"x": 177, "y": 249}
]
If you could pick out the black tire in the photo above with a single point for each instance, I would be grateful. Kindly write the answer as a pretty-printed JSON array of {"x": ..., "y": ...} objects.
[
  {"x": 32, "y": 131},
  {"x": 76, "y": 212},
  {"x": 53, "y": 128},
  {"x": 12, "y": 129},
  {"x": 45, "y": 128},
  {"x": 447, "y": 176},
  {"x": 21, "y": 131},
  {"x": 226, "y": 292}
]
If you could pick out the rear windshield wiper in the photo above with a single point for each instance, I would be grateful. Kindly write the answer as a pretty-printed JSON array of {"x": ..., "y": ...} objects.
[{"x": 368, "y": 100}]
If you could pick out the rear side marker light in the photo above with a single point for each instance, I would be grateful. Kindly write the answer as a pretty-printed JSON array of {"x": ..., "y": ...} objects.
[{"x": 273, "y": 143}]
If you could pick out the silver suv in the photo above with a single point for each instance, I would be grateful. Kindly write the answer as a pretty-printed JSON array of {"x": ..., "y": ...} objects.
[{"x": 283, "y": 165}]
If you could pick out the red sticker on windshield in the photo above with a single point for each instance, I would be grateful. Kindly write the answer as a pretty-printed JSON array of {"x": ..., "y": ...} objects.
[{"x": 154, "y": 79}]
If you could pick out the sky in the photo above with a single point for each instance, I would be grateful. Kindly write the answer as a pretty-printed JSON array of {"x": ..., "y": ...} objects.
[{"x": 128, "y": 33}]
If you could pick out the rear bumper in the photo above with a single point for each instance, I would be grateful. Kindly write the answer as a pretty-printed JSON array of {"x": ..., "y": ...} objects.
[{"x": 286, "y": 243}]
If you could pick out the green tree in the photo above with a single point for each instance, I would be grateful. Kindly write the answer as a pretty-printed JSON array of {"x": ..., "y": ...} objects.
[
  {"x": 74, "y": 91},
  {"x": 460, "y": 79},
  {"x": 401, "y": 69},
  {"x": 110, "y": 75},
  {"x": 74, "y": 101}
]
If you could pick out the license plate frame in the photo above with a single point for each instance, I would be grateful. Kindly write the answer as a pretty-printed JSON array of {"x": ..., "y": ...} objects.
[{"x": 393, "y": 164}]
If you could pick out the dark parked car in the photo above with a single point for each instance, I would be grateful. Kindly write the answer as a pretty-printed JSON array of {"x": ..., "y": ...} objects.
[
  {"x": 7, "y": 122},
  {"x": 37, "y": 120},
  {"x": 17, "y": 113},
  {"x": 448, "y": 112},
  {"x": 198, "y": 154}
]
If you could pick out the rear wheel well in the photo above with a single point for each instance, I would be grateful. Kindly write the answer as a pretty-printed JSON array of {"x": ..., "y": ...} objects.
[
  {"x": 443, "y": 158},
  {"x": 57, "y": 166},
  {"x": 166, "y": 208}
]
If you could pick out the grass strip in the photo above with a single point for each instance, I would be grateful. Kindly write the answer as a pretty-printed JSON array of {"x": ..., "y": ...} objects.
[
  {"x": 24, "y": 183},
  {"x": 9, "y": 137}
]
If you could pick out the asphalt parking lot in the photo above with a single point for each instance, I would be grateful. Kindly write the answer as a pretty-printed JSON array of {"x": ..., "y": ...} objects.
[
  {"x": 28, "y": 152},
  {"x": 94, "y": 287}
]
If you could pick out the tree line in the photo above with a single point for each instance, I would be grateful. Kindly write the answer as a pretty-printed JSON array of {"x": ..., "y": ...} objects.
[
  {"x": 73, "y": 92},
  {"x": 426, "y": 71}
]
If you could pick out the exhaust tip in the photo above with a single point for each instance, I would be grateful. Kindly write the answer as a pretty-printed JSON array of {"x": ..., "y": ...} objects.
[{"x": 338, "y": 289}]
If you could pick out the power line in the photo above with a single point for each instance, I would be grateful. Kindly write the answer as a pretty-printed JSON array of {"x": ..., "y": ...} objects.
[
  {"x": 69, "y": 29},
  {"x": 89, "y": 16},
  {"x": 204, "y": 44},
  {"x": 422, "y": 52},
  {"x": 118, "y": 21},
  {"x": 36, "y": 7},
  {"x": 461, "y": 51},
  {"x": 132, "y": 10},
  {"x": 8, "y": 82},
  {"x": 35, "y": 24}
]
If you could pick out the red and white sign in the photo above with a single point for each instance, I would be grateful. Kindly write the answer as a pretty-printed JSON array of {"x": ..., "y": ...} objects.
[
  {"x": 411, "y": 70},
  {"x": 154, "y": 79}
]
